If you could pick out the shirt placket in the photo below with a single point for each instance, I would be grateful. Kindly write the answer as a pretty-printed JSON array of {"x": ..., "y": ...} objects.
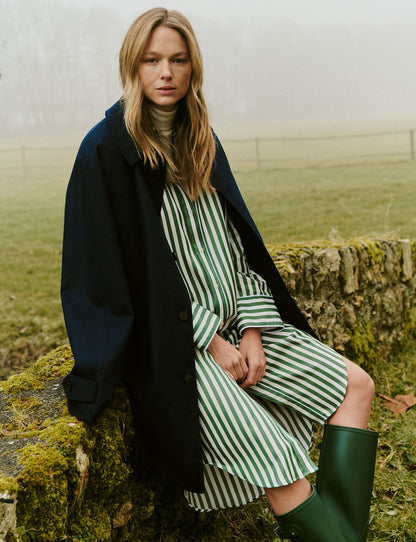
[{"x": 202, "y": 255}]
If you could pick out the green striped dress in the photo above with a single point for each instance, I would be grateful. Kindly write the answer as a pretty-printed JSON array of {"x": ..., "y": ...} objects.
[{"x": 259, "y": 437}]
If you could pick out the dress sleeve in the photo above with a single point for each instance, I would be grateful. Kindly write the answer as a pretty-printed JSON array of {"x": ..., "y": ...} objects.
[
  {"x": 205, "y": 323},
  {"x": 255, "y": 303}
]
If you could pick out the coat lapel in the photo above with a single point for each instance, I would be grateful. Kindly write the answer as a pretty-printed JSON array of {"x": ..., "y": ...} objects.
[
  {"x": 154, "y": 178},
  {"x": 115, "y": 120}
]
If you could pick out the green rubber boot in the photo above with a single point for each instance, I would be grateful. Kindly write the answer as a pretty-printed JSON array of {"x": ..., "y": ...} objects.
[
  {"x": 345, "y": 477},
  {"x": 309, "y": 522}
]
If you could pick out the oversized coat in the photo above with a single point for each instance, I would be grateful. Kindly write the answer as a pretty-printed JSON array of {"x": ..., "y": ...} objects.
[{"x": 126, "y": 307}]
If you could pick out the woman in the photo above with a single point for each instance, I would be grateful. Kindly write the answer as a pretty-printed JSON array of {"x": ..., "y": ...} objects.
[{"x": 167, "y": 286}]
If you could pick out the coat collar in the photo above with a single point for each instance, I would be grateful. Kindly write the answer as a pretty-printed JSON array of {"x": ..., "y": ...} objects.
[
  {"x": 115, "y": 120},
  {"x": 221, "y": 178}
]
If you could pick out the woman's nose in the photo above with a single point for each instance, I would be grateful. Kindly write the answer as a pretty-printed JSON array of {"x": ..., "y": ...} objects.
[{"x": 165, "y": 71}]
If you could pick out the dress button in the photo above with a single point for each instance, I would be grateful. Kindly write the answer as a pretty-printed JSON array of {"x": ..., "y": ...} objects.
[
  {"x": 216, "y": 286},
  {"x": 188, "y": 378},
  {"x": 183, "y": 315}
]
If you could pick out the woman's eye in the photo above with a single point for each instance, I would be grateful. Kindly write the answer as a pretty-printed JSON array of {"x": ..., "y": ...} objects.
[{"x": 150, "y": 60}]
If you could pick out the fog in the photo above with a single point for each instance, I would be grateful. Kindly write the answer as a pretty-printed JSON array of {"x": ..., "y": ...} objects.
[{"x": 272, "y": 67}]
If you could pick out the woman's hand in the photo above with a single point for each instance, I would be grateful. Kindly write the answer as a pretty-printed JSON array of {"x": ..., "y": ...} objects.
[
  {"x": 228, "y": 358},
  {"x": 252, "y": 350},
  {"x": 246, "y": 365}
]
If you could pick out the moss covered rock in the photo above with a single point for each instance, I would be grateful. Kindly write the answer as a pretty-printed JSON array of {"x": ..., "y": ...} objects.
[{"x": 63, "y": 480}]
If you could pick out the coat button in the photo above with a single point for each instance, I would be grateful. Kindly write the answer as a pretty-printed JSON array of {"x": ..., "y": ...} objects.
[
  {"x": 183, "y": 315},
  {"x": 67, "y": 385},
  {"x": 188, "y": 378}
]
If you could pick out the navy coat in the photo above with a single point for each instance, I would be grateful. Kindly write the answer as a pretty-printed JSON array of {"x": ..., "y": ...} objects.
[{"x": 126, "y": 307}]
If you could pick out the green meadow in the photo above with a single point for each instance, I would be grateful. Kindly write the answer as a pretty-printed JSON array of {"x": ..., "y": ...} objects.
[
  {"x": 298, "y": 202},
  {"x": 31, "y": 212},
  {"x": 333, "y": 203}
]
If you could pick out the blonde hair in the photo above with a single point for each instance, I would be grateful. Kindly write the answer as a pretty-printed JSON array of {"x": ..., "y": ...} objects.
[{"x": 194, "y": 148}]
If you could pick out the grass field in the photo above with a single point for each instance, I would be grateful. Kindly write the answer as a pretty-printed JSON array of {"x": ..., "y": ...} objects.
[
  {"x": 338, "y": 202},
  {"x": 291, "y": 204},
  {"x": 31, "y": 213}
]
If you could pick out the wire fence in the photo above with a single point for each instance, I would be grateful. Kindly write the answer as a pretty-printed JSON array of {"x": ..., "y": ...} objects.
[
  {"x": 273, "y": 153},
  {"x": 245, "y": 154}
]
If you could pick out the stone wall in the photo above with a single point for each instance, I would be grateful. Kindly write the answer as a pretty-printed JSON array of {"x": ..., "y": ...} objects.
[
  {"x": 62, "y": 480},
  {"x": 360, "y": 299}
]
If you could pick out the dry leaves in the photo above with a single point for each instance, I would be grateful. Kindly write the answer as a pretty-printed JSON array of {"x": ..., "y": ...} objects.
[{"x": 400, "y": 404}]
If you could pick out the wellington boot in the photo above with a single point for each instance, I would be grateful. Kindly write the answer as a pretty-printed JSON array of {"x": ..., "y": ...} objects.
[
  {"x": 345, "y": 477},
  {"x": 309, "y": 522}
]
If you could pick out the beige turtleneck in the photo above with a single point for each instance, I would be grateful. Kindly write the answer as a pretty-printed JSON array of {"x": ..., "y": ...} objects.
[{"x": 163, "y": 121}]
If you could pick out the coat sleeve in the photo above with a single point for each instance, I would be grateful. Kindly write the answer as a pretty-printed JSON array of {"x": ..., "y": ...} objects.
[{"x": 95, "y": 297}]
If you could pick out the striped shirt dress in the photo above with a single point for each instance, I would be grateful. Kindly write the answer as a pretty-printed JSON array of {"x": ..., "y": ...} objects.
[{"x": 256, "y": 438}]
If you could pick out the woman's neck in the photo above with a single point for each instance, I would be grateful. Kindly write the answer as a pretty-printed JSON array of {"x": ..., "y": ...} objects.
[{"x": 163, "y": 121}]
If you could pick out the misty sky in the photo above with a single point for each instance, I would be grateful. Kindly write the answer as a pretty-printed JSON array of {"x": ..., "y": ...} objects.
[{"x": 271, "y": 66}]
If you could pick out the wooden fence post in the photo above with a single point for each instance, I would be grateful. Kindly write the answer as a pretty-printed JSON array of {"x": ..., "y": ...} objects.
[
  {"x": 24, "y": 164},
  {"x": 257, "y": 150}
]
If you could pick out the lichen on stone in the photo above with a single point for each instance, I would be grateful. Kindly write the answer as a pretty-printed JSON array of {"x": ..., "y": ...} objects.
[
  {"x": 43, "y": 489},
  {"x": 8, "y": 486},
  {"x": 361, "y": 348},
  {"x": 10, "y": 537},
  {"x": 58, "y": 363},
  {"x": 409, "y": 331},
  {"x": 375, "y": 252}
]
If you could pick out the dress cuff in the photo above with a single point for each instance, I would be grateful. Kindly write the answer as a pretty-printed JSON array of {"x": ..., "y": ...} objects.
[
  {"x": 257, "y": 311},
  {"x": 206, "y": 324}
]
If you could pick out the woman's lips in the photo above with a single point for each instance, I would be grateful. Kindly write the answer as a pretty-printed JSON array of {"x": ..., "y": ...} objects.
[{"x": 165, "y": 90}]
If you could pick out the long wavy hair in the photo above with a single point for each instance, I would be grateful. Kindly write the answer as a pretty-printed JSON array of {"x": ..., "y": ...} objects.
[{"x": 194, "y": 146}]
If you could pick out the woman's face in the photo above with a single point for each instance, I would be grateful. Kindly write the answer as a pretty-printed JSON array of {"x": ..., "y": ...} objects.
[{"x": 165, "y": 68}]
